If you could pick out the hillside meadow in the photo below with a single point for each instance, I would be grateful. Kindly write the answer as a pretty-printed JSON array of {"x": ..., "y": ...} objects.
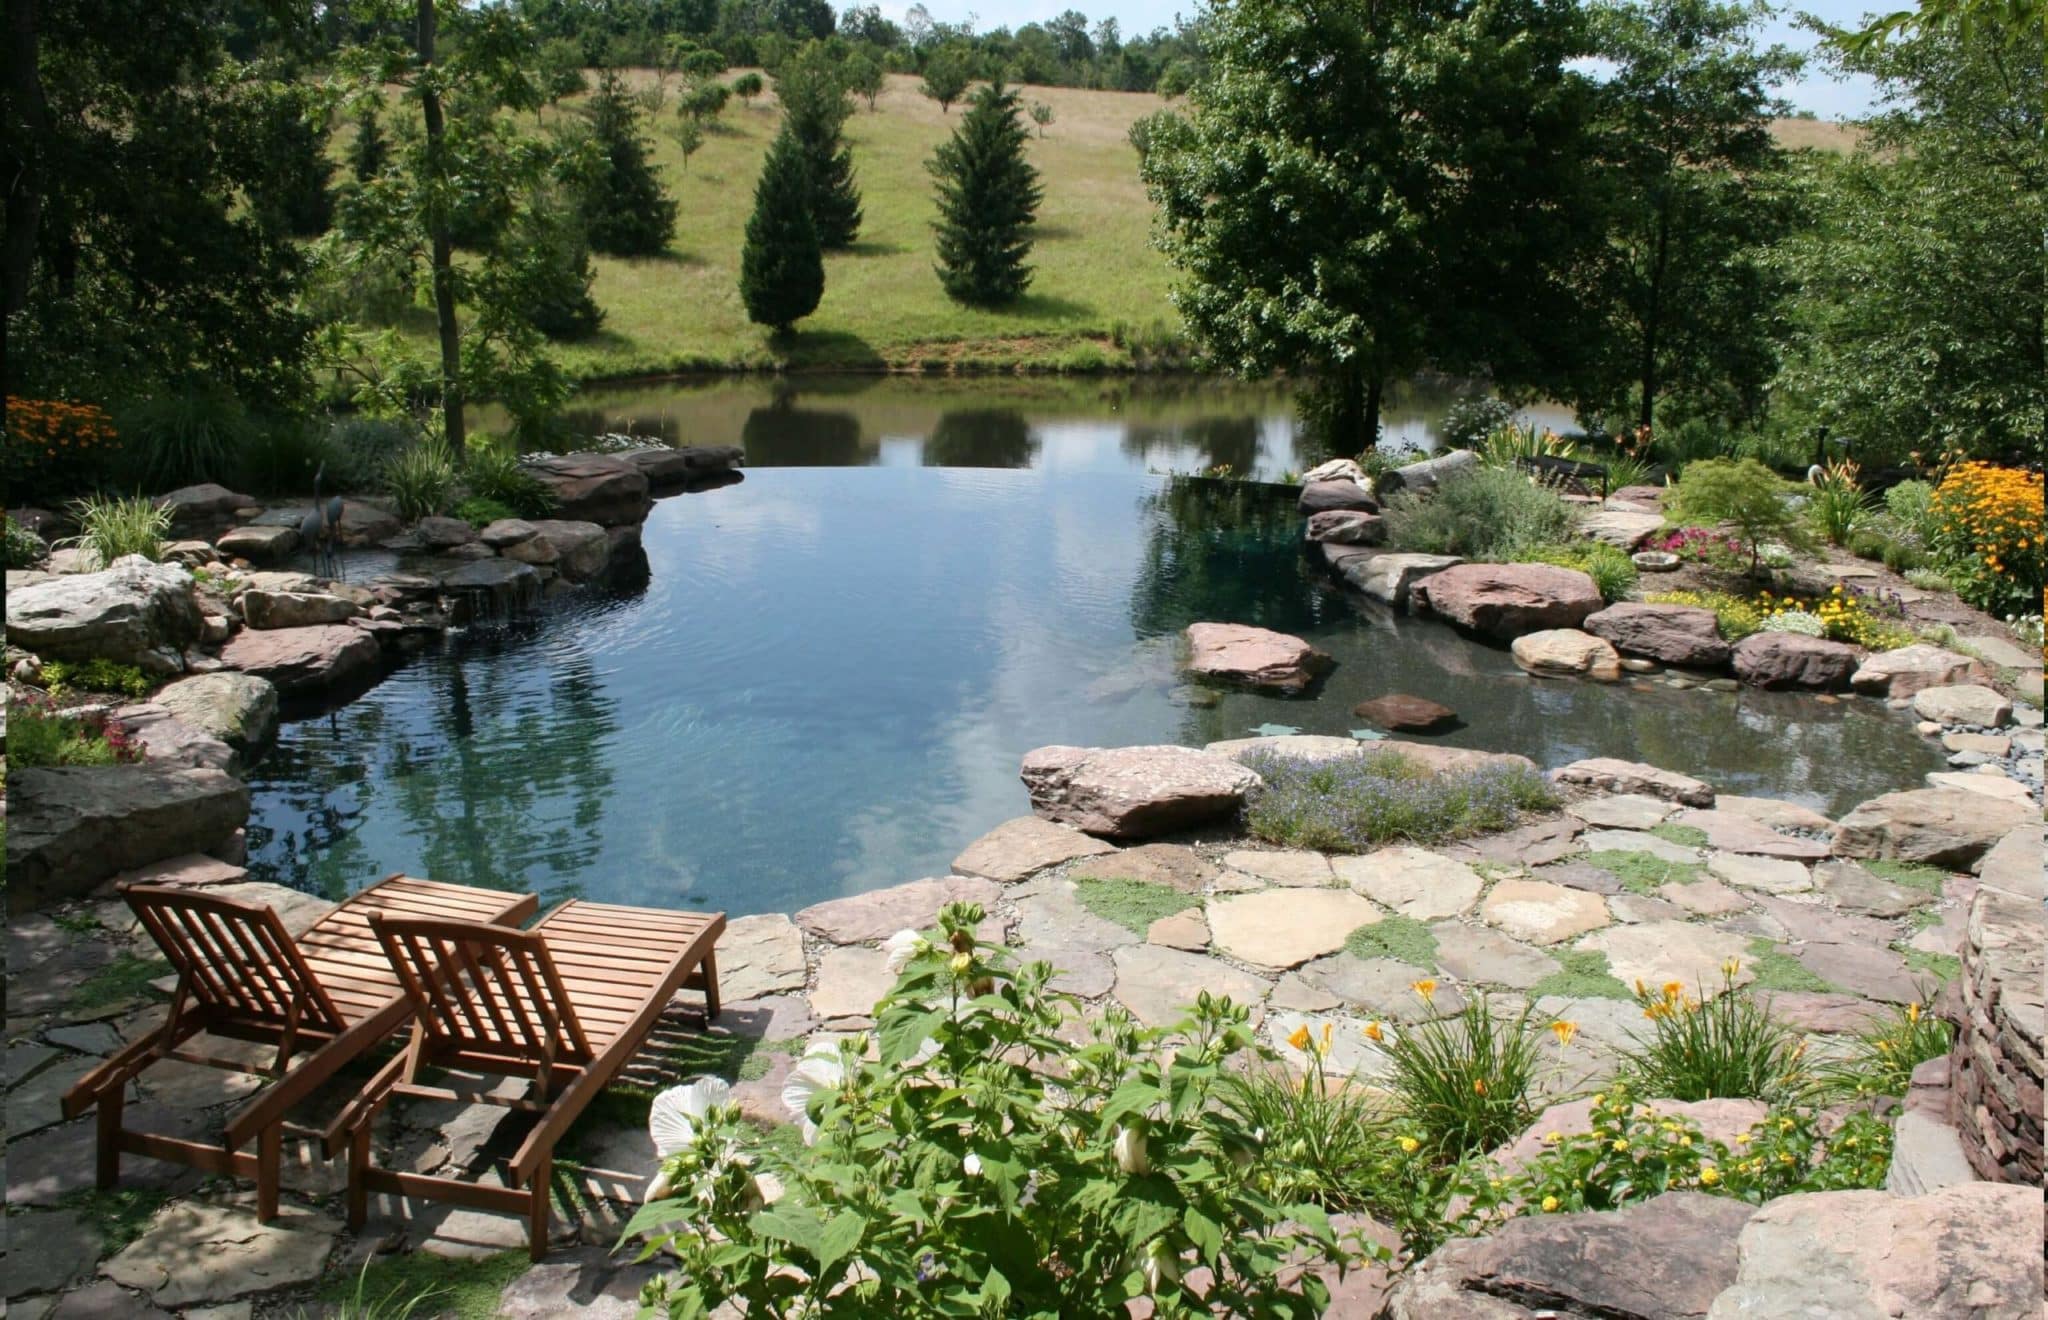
[{"x": 1098, "y": 274}]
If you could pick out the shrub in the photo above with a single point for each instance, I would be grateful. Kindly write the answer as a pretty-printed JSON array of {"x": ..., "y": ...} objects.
[
  {"x": 1882, "y": 1057},
  {"x": 1464, "y": 1081},
  {"x": 1726, "y": 1047},
  {"x": 1928, "y": 579},
  {"x": 1837, "y": 504},
  {"x": 1633, "y": 1152},
  {"x": 1471, "y": 418},
  {"x": 1909, "y": 505},
  {"x": 422, "y": 480},
  {"x": 359, "y": 449},
  {"x": 187, "y": 436},
  {"x": 950, "y": 1174},
  {"x": 494, "y": 474},
  {"x": 37, "y": 735},
  {"x": 1743, "y": 493},
  {"x": 1612, "y": 571},
  {"x": 1737, "y": 617},
  {"x": 1350, "y": 803},
  {"x": 1490, "y": 513},
  {"x": 1795, "y": 621},
  {"x": 1691, "y": 441},
  {"x": 1987, "y": 536},
  {"x": 1900, "y": 557},
  {"x": 482, "y": 511},
  {"x": 24, "y": 548},
  {"x": 62, "y": 677},
  {"x": 1846, "y": 616},
  {"x": 1867, "y": 544},
  {"x": 2026, "y": 628},
  {"x": 112, "y": 527}
]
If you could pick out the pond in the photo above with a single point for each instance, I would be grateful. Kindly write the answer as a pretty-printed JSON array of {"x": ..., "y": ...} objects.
[{"x": 828, "y": 675}]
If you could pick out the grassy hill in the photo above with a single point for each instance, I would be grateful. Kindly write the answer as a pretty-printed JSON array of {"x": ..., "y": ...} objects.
[
  {"x": 883, "y": 305},
  {"x": 1097, "y": 272}
]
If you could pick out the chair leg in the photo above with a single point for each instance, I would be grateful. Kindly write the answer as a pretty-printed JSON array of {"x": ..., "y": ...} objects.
[
  {"x": 108, "y": 1129},
  {"x": 269, "y": 1153},
  {"x": 358, "y": 1166},
  {"x": 541, "y": 1189},
  {"x": 711, "y": 986}
]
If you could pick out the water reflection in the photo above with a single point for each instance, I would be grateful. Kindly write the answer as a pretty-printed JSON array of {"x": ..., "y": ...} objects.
[
  {"x": 783, "y": 435},
  {"x": 980, "y": 437}
]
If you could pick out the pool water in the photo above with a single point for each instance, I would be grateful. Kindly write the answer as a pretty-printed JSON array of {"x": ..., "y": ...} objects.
[{"x": 827, "y": 678}]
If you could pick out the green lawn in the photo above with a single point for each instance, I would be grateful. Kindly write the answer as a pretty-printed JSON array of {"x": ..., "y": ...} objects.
[{"x": 883, "y": 304}]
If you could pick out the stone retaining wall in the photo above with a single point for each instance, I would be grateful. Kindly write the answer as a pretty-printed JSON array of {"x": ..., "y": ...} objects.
[{"x": 1997, "y": 1062}]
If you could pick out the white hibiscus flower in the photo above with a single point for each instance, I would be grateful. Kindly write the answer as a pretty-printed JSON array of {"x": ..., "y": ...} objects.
[
  {"x": 903, "y": 946},
  {"x": 820, "y": 1071},
  {"x": 674, "y": 1118}
]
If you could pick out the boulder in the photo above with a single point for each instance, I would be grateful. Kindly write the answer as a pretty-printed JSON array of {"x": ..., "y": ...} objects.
[
  {"x": 203, "y": 503},
  {"x": 1297, "y": 746},
  {"x": 1940, "y": 826},
  {"x": 1428, "y": 473},
  {"x": 1391, "y": 578},
  {"x": 1666, "y": 1258},
  {"x": 70, "y": 828},
  {"x": 1624, "y": 529},
  {"x": 685, "y": 465},
  {"x": 1336, "y": 469},
  {"x": 441, "y": 533},
  {"x": 493, "y": 588},
  {"x": 294, "y": 609},
  {"x": 2013, "y": 865},
  {"x": 1346, "y": 527},
  {"x": 1969, "y": 1252},
  {"x": 1903, "y": 672},
  {"x": 302, "y": 659},
  {"x": 167, "y": 740},
  {"x": 1674, "y": 634},
  {"x": 577, "y": 551},
  {"x": 1404, "y": 714},
  {"x": 1438, "y": 759},
  {"x": 1636, "y": 498},
  {"x": 1506, "y": 600},
  {"x": 506, "y": 531},
  {"x": 134, "y": 612},
  {"x": 599, "y": 488},
  {"x": 1610, "y": 775},
  {"x": 1566, "y": 653},
  {"x": 1966, "y": 703},
  {"x": 1793, "y": 660},
  {"x": 1252, "y": 657},
  {"x": 1336, "y": 496},
  {"x": 239, "y": 709},
  {"x": 1133, "y": 792}
]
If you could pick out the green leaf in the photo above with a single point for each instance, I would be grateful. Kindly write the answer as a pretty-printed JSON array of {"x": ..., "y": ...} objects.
[
  {"x": 1204, "y": 1232},
  {"x": 843, "y": 1232},
  {"x": 800, "y": 1226},
  {"x": 655, "y": 1215}
]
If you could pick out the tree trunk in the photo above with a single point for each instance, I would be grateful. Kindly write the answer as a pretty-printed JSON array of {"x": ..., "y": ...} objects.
[
  {"x": 1369, "y": 425},
  {"x": 443, "y": 248},
  {"x": 27, "y": 131},
  {"x": 1653, "y": 316}
]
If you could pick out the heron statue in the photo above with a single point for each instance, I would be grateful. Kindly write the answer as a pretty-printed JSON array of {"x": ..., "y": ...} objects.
[{"x": 321, "y": 529}]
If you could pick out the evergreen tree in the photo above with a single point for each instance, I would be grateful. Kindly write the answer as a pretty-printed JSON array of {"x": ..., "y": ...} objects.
[
  {"x": 370, "y": 151},
  {"x": 988, "y": 200},
  {"x": 626, "y": 211},
  {"x": 813, "y": 93},
  {"x": 291, "y": 197},
  {"x": 546, "y": 271},
  {"x": 782, "y": 267}
]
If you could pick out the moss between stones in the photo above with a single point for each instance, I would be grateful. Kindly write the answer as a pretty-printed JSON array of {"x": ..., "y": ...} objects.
[
  {"x": 1397, "y": 937},
  {"x": 119, "y": 1216},
  {"x": 1943, "y": 967},
  {"x": 127, "y": 977},
  {"x": 1914, "y": 875},
  {"x": 1580, "y": 974},
  {"x": 464, "y": 1289},
  {"x": 1644, "y": 873},
  {"x": 1778, "y": 970},
  {"x": 1689, "y": 836},
  {"x": 1132, "y": 904}
]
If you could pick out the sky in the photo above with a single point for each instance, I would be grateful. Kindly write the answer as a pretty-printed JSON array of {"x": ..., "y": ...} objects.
[{"x": 1816, "y": 91}]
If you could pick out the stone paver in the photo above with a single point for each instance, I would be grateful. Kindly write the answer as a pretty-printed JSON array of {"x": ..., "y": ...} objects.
[
  {"x": 760, "y": 955},
  {"x": 1474, "y": 953},
  {"x": 1183, "y": 930},
  {"x": 1660, "y": 951},
  {"x": 1023, "y": 846},
  {"x": 880, "y": 913},
  {"x": 198, "y": 1252},
  {"x": 1623, "y": 811},
  {"x": 1158, "y": 985},
  {"x": 1412, "y": 881},
  {"x": 588, "y": 1282},
  {"x": 1705, "y": 898},
  {"x": 1854, "y": 889},
  {"x": 1768, "y": 874},
  {"x": 1542, "y": 913},
  {"x": 1382, "y": 987},
  {"x": 1633, "y": 841},
  {"x": 1296, "y": 868},
  {"x": 1351, "y": 1054},
  {"x": 1735, "y": 832},
  {"x": 1054, "y": 926},
  {"x": 1777, "y": 814},
  {"x": 1282, "y": 928},
  {"x": 1155, "y": 863},
  {"x": 850, "y": 980},
  {"x": 48, "y": 1251}
]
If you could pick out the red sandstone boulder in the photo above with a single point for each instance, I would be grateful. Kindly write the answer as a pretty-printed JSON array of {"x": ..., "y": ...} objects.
[
  {"x": 302, "y": 659},
  {"x": 1507, "y": 600},
  {"x": 1252, "y": 657},
  {"x": 1403, "y": 713},
  {"x": 1133, "y": 792},
  {"x": 1794, "y": 660},
  {"x": 598, "y": 488},
  {"x": 1674, "y": 634}
]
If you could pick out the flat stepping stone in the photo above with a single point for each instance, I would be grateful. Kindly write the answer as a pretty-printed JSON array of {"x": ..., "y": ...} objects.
[
  {"x": 878, "y": 914},
  {"x": 1477, "y": 954},
  {"x": 1581, "y": 875},
  {"x": 195, "y": 1253},
  {"x": 1705, "y": 898},
  {"x": 1657, "y": 952},
  {"x": 1543, "y": 913},
  {"x": 1635, "y": 841},
  {"x": 1245, "y": 656},
  {"x": 1023, "y": 846},
  {"x": 1296, "y": 992},
  {"x": 1991, "y": 785},
  {"x": 1826, "y": 1012},
  {"x": 1183, "y": 930},
  {"x": 1640, "y": 908},
  {"x": 1535, "y": 844},
  {"x": 1282, "y": 928},
  {"x": 1171, "y": 864},
  {"x": 1053, "y": 925},
  {"x": 1770, "y": 875},
  {"x": 760, "y": 955},
  {"x": 1412, "y": 881},
  {"x": 850, "y": 981},
  {"x": 1613, "y": 775},
  {"x": 1733, "y": 832},
  {"x": 1774, "y": 813},
  {"x": 1159, "y": 985},
  {"x": 1874, "y": 973},
  {"x": 1295, "y": 868},
  {"x": 1852, "y": 888},
  {"x": 1623, "y": 811},
  {"x": 46, "y": 1252},
  {"x": 1351, "y": 1054},
  {"x": 1382, "y": 987},
  {"x": 1987, "y": 744}
]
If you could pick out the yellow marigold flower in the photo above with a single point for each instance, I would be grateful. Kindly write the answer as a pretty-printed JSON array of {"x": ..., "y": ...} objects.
[
  {"x": 1621, "y": 1143},
  {"x": 1410, "y": 1145},
  {"x": 1784, "y": 1125},
  {"x": 1552, "y": 1138},
  {"x": 1550, "y": 1204},
  {"x": 1742, "y": 1138},
  {"x": 1709, "y": 1175},
  {"x": 1684, "y": 1140}
]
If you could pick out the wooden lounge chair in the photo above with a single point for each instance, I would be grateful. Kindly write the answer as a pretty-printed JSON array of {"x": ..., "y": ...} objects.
[
  {"x": 320, "y": 1000},
  {"x": 566, "y": 1003}
]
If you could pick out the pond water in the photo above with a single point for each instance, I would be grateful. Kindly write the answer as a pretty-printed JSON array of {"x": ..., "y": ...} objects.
[{"x": 826, "y": 678}]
